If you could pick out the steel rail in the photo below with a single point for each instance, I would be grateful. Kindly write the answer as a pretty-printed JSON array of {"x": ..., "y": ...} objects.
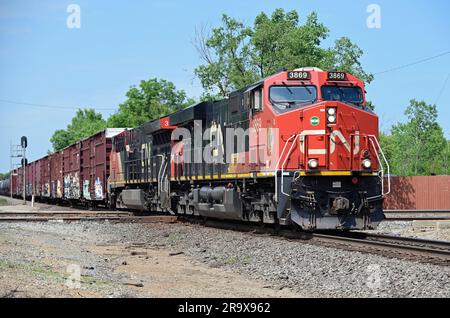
[
  {"x": 393, "y": 242},
  {"x": 418, "y": 218},
  {"x": 422, "y": 250}
]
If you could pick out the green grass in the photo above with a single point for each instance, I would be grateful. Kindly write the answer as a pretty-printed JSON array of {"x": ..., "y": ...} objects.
[
  {"x": 174, "y": 238},
  {"x": 47, "y": 273},
  {"x": 3, "y": 202}
]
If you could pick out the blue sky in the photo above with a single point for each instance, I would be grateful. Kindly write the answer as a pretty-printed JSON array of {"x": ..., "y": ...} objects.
[{"x": 122, "y": 42}]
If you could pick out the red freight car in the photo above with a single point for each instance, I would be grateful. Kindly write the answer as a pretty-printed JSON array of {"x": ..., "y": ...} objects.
[
  {"x": 95, "y": 167},
  {"x": 17, "y": 185},
  {"x": 56, "y": 175},
  {"x": 38, "y": 178},
  {"x": 117, "y": 177},
  {"x": 71, "y": 171},
  {"x": 45, "y": 177},
  {"x": 31, "y": 173},
  {"x": 29, "y": 179},
  {"x": 13, "y": 183}
]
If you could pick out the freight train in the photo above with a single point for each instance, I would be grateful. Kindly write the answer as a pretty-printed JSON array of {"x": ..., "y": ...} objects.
[
  {"x": 4, "y": 187},
  {"x": 298, "y": 148}
]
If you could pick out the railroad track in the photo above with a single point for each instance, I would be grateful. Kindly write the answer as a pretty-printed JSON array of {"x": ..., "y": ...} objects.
[
  {"x": 437, "y": 252},
  {"x": 69, "y": 216},
  {"x": 425, "y": 251},
  {"x": 429, "y": 251}
]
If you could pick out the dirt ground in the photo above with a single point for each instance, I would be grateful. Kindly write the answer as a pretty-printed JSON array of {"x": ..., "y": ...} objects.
[{"x": 35, "y": 262}]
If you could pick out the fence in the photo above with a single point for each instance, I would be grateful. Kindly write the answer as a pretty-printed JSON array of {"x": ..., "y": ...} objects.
[{"x": 419, "y": 193}]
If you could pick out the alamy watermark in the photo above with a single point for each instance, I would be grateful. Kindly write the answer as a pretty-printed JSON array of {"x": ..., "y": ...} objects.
[
  {"x": 73, "y": 20},
  {"x": 226, "y": 145},
  {"x": 74, "y": 279},
  {"x": 374, "y": 19},
  {"x": 374, "y": 277}
]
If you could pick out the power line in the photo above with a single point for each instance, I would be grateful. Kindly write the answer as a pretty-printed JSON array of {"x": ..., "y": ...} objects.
[
  {"x": 413, "y": 63},
  {"x": 442, "y": 89},
  {"x": 48, "y": 106},
  {"x": 382, "y": 72}
]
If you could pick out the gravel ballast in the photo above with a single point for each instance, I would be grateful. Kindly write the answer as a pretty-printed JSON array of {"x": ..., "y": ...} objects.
[{"x": 316, "y": 271}]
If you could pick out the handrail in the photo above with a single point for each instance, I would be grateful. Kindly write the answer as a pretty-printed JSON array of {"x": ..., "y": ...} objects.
[
  {"x": 372, "y": 138},
  {"x": 159, "y": 173},
  {"x": 278, "y": 163},
  {"x": 284, "y": 163},
  {"x": 165, "y": 177}
]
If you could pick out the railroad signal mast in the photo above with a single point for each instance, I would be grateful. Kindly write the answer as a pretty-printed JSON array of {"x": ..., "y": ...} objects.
[{"x": 24, "y": 144}]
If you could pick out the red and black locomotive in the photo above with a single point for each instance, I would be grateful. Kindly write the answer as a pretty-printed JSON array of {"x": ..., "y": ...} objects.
[{"x": 297, "y": 148}]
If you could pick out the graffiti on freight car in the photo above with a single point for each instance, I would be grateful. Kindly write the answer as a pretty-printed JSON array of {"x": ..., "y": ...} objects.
[
  {"x": 72, "y": 186},
  {"x": 86, "y": 192},
  {"x": 46, "y": 190},
  {"x": 98, "y": 189},
  {"x": 59, "y": 193}
]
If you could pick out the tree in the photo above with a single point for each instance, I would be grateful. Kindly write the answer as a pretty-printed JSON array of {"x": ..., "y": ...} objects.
[
  {"x": 370, "y": 105},
  {"x": 85, "y": 123},
  {"x": 60, "y": 139},
  {"x": 226, "y": 55},
  {"x": 152, "y": 99},
  {"x": 4, "y": 176},
  {"x": 418, "y": 147},
  {"x": 280, "y": 42},
  {"x": 347, "y": 57},
  {"x": 446, "y": 159},
  {"x": 235, "y": 55}
]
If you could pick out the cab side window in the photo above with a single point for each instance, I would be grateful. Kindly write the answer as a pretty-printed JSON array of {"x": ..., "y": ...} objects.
[{"x": 257, "y": 99}]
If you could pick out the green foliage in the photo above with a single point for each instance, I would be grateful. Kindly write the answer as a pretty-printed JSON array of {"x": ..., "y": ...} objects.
[
  {"x": 370, "y": 105},
  {"x": 280, "y": 42},
  {"x": 417, "y": 147},
  {"x": 347, "y": 57},
  {"x": 235, "y": 55},
  {"x": 85, "y": 123},
  {"x": 4, "y": 176},
  {"x": 152, "y": 99},
  {"x": 226, "y": 54},
  {"x": 446, "y": 158}
]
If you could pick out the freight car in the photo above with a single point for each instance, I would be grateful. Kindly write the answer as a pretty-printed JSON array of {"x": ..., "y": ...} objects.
[
  {"x": 78, "y": 174},
  {"x": 297, "y": 148}
]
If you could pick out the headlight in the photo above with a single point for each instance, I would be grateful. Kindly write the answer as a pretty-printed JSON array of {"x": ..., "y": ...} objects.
[
  {"x": 331, "y": 111},
  {"x": 331, "y": 119},
  {"x": 313, "y": 163},
  {"x": 366, "y": 163}
]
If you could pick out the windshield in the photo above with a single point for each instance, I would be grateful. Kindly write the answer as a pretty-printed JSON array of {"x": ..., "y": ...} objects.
[
  {"x": 288, "y": 97},
  {"x": 346, "y": 94}
]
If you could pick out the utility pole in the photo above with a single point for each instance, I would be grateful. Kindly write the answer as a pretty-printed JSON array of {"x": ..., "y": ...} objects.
[{"x": 11, "y": 170}]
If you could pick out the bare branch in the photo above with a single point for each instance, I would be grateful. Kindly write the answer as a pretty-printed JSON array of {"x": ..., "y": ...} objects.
[{"x": 200, "y": 43}]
